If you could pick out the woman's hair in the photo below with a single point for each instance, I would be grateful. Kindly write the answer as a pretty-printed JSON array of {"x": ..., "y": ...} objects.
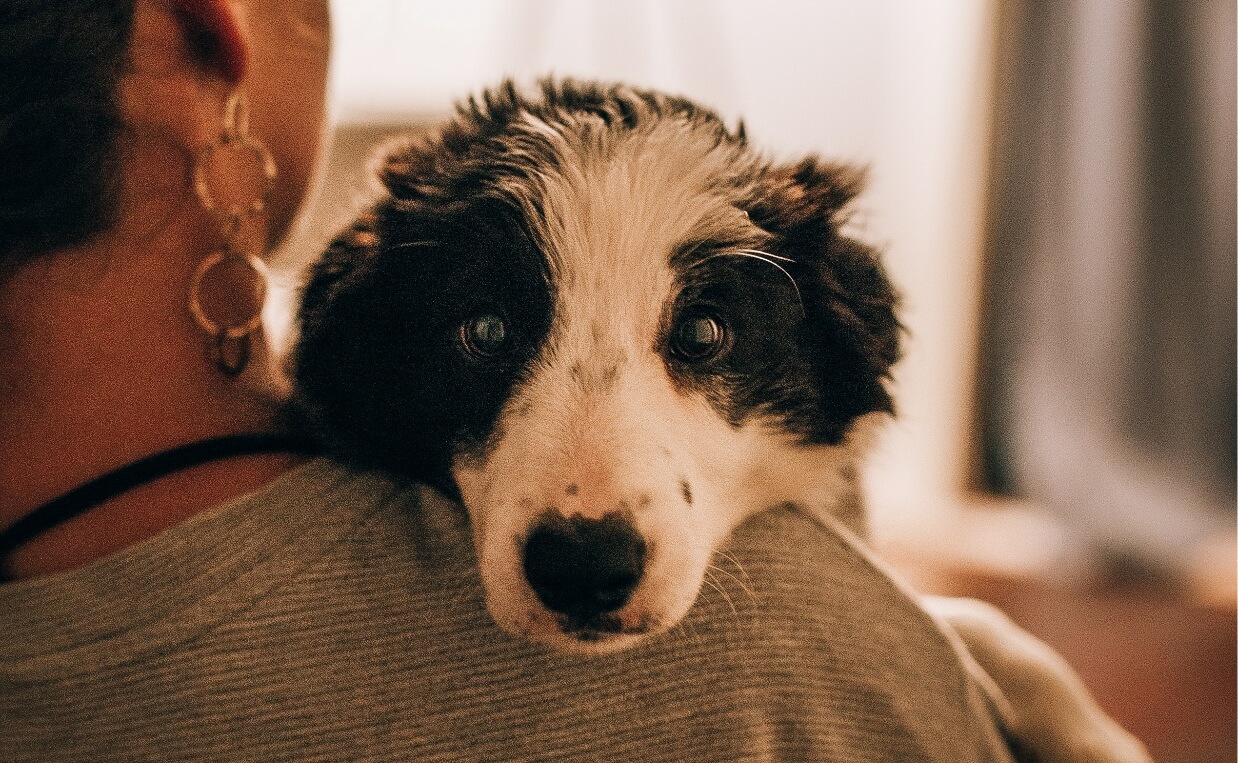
[{"x": 59, "y": 120}]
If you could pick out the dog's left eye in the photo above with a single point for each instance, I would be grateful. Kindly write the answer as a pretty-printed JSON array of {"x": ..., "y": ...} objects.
[
  {"x": 484, "y": 336},
  {"x": 697, "y": 337}
]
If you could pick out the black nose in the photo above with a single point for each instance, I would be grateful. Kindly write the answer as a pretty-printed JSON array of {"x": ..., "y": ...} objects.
[{"x": 582, "y": 567}]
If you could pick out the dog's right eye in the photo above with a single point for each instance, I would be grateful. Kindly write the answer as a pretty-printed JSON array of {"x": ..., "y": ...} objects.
[
  {"x": 484, "y": 336},
  {"x": 697, "y": 337}
]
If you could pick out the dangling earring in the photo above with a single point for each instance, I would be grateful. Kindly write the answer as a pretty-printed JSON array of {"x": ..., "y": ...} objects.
[{"x": 228, "y": 288}]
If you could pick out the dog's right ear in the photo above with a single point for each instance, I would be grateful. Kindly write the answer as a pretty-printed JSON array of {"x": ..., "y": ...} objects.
[
  {"x": 355, "y": 353},
  {"x": 320, "y": 371},
  {"x": 851, "y": 333}
]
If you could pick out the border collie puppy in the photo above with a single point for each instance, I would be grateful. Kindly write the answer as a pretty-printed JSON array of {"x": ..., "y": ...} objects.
[{"x": 614, "y": 331}]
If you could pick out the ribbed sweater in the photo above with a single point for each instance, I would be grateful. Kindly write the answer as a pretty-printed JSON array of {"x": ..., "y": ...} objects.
[{"x": 334, "y": 616}]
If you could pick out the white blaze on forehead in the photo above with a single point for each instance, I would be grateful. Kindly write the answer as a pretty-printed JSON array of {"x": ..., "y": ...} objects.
[{"x": 611, "y": 212}]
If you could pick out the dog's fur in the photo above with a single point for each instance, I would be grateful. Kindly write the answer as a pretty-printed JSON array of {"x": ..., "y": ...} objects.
[{"x": 607, "y": 233}]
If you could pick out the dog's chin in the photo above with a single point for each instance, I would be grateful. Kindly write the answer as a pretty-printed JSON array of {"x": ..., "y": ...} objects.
[
  {"x": 603, "y": 634},
  {"x": 552, "y": 631},
  {"x": 587, "y": 642}
]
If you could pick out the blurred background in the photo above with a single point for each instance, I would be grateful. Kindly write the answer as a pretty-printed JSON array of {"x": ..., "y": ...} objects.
[{"x": 1053, "y": 186}]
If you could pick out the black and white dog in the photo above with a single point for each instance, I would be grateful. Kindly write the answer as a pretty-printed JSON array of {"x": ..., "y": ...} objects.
[{"x": 614, "y": 331}]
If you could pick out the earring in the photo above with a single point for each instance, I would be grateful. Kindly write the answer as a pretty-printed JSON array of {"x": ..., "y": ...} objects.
[{"x": 228, "y": 288}]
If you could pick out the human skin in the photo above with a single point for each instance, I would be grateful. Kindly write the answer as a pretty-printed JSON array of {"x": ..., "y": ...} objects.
[{"x": 100, "y": 361}]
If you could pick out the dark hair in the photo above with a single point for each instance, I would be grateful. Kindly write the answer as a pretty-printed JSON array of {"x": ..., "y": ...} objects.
[{"x": 59, "y": 120}]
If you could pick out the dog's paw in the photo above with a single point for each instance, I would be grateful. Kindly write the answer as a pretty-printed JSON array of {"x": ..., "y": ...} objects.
[{"x": 1047, "y": 707}]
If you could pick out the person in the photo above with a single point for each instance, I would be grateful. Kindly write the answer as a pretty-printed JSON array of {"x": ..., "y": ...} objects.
[{"x": 234, "y": 597}]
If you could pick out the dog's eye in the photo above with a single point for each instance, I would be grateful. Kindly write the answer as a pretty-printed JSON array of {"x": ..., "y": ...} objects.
[
  {"x": 698, "y": 336},
  {"x": 484, "y": 336}
]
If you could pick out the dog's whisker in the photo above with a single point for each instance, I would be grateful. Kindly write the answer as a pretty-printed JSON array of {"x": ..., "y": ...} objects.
[
  {"x": 709, "y": 579},
  {"x": 410, "y": 244},
  {"x": 767, "y": 257},
  {"x": 727, "y": 556},
  {"x": 742, "y": 580},
  {"x": 743, "y": 586},
  {"x": 773, "y": 260}
]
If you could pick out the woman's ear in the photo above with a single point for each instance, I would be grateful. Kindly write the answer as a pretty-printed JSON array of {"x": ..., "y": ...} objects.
[{"x": 215, "y": 35}]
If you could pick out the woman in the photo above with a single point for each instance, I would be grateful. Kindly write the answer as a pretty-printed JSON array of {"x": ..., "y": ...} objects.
[{"x": 241, "y": 600}]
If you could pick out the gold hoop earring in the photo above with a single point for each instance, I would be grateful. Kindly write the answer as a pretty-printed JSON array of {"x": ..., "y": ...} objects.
[{"x": 227, "y": 290}]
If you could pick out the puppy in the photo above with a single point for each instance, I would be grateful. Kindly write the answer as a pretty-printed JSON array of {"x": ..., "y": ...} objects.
[
  {"x": 600, "y": 319},
  {"x": 614, "y": 331}
]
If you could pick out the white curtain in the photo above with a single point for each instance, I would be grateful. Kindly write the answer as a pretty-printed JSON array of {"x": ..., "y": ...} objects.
[{"x": 1110, "y": 306}]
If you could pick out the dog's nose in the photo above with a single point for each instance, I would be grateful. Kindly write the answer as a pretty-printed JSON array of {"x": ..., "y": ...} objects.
[{"x": 582, "y": 567}]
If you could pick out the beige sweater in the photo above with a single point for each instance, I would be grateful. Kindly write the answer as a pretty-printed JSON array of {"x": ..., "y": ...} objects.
[{"x": 333, "y": 617}]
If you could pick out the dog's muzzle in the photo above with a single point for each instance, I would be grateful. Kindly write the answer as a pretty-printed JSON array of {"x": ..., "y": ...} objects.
[{"x": 584, "y": 570}]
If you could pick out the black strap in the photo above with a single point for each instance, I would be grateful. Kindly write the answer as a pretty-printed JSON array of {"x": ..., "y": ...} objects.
[{"x": 81, "y": 499}]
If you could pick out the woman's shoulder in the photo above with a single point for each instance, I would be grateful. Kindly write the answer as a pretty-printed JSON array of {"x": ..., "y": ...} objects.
[{"x": 348, "y": 601}]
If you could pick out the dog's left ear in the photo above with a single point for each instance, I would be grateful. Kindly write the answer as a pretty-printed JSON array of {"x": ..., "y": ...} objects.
[{"x": 851, "y": 333}]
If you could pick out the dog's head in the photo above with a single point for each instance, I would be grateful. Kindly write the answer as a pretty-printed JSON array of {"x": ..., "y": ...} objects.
[{"x": 613, "y": 330}]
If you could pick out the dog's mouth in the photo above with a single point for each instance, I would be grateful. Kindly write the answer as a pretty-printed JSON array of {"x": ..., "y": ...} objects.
[{"x": 601, "y": 627}]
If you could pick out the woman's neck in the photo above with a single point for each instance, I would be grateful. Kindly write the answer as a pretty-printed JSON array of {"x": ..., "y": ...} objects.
[{"x": 101, "y": 365}]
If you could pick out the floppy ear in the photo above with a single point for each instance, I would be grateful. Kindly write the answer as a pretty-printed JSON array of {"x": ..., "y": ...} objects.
[
  {"x": 352, "y": 359},
  {"x": 342, "y": 361},
  {"x": 851, "y": 333},
  {"x": 336, "y": 278}
]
